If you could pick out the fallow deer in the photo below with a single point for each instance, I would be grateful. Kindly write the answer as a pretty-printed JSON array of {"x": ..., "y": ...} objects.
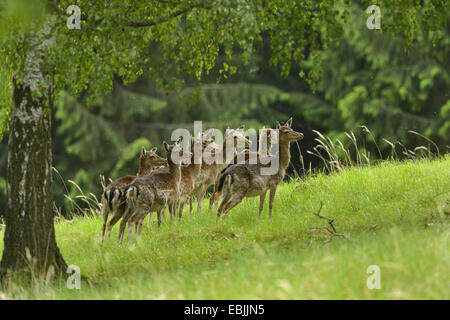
[
  {"x": 209, "y": 172},
  {"x": 189, "y": 173},
  {"x": 152, "y": 192},
  {"x": 245, "y": 180},
  {"x": 264, "y": 146},
  {"x": 112, "y": 198}
]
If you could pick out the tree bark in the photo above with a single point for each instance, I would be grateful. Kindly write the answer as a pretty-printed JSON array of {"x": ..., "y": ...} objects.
[{"x": 29, "y": 241}]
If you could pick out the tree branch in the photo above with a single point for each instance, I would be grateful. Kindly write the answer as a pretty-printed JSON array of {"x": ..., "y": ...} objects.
[
  {"x": 148, "y": 22},
  {"x": 331, "y": 229},
  {"x": 152, "y": 22}
]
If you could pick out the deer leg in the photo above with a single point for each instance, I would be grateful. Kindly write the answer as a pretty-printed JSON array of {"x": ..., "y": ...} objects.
[
  {"x": 216, "y": 202},
  {"x": 261, "y": 203},
  {"x": 212, "y": 200},
  {"x": 118, "y": 213},
  {"x": 160, "y": 214},
  {"x": 105, "y": 212},
  {"x": 136, "y": 226},
  {"x": 139, "y": 225},
  {"x": 130, "y": 230},
  {"x": 199, "y": 204},
  {"x": 191, "y": 202},
  {"x": 272, "y": 196},
  {"x": 173, "y": 209},
  {"x": 133, "y": 222},
  {"x": 200, "y": 199},
  {"x": 180, "y": 212},
  {"x": 136, "y": 221},
  {"x": 169, "y": 207},
  {"x": 123, "y": 223},
  {"x": 150, "y": 220},
  {"x": 111, "y": 224}
]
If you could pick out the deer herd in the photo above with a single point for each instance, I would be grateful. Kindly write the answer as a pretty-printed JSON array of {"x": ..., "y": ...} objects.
[{"x": 170, "y": 182}]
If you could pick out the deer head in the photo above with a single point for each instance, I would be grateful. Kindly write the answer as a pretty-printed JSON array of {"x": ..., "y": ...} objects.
[
  {"x": 175, "y": 153},
  {"x": 286, "y": 133},
  {"x": 149, "y": 159},
  {"x": 238, "y": 137}
]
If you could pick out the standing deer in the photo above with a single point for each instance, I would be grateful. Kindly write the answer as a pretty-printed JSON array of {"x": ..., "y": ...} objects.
[
  {"x": 244, "y": 157},
  {"x": 245, "y": 180},
  {"x": 152, "y": 192},
  {"x": 209, "y": 172},
  {"x": 190, "y": 172},
  {"x": 113, "y": 200}
]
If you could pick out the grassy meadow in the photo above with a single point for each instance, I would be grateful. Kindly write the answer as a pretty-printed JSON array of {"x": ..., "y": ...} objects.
[{"x": 394, "y": 215}]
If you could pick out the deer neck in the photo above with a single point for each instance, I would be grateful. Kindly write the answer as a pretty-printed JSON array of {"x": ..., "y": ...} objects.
[
  {"x": 174, "y": 170},
  {"x": 196, "y": 167},
  {"x": 143, "y": 170},
  {"x": 285, "y": 155},
  {"x": 223, "y": 152},
  {"x": 260, "y": 144}
]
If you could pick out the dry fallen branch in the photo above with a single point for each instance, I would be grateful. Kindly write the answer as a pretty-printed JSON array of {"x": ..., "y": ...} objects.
[{"x": 330, "y": 228}]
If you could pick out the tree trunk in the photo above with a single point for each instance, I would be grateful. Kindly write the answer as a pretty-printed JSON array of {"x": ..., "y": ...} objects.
[{"x": 29, "y": 242}]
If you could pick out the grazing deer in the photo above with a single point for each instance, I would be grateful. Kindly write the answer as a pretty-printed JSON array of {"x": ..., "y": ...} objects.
[
  {"x": 245, "y": 180},
  {"x": 152, "y": 192},
  {"x": 112, "y": 198},
  {"x": 244, "y": 157},
  {"x": 209, "y": 172}
]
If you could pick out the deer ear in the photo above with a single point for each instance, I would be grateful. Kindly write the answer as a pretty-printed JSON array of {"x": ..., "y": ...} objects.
[
  {"x": 241, "y": 128},
  {"x": 154, "y": 149},
  {"x": 289, "y": 122},
  {"x": 278, "y": 125},
  {"x": 166, "y": 146},
  {"x": 143, "y": 151}
]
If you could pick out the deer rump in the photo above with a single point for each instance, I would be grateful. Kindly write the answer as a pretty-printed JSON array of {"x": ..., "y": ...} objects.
[
  {"x": 114, "y": 193},
  {"x": 245, "y": 178}
]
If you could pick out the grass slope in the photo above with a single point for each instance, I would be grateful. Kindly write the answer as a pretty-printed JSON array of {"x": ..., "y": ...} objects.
[{"x": 389, "y": 213}]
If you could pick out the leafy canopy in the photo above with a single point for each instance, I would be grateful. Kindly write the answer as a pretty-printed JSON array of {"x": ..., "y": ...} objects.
[{"x": 188, "y": 35}]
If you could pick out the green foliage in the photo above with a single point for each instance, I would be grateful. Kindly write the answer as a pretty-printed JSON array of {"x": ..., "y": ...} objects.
[
  {"x": 189, "y": 35},
  {"x": 76, "y": 122},
  {"x": 374, "y": 81},
  {"x": 16, "y": 19},
  {"x": 23, "y": 15},
  {"x": 128, "y": 160}
]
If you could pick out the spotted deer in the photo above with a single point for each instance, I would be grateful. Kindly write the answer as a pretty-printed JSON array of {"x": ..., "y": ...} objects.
[
  {"x": 113, "y": 200},
  {"x": 152, "y": 192},
  {"x": 209, "y": 172},
  {"x": 264, "y": 146},
  {"x": 239, "y": 181}
]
